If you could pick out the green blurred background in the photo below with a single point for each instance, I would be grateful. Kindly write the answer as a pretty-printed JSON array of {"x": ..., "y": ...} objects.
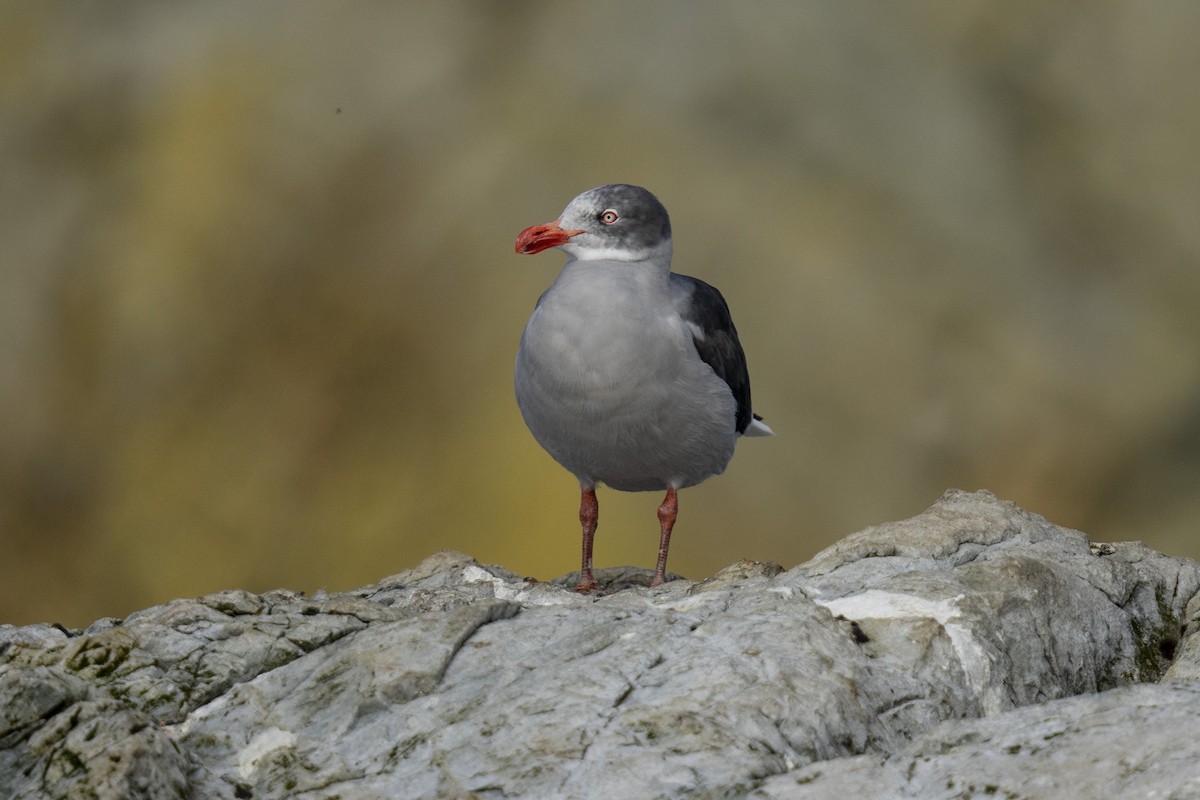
[{"x": 259, "y": 304}]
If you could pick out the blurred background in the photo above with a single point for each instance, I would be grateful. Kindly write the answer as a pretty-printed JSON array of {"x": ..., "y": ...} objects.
[{"x": 259, "y": 302}]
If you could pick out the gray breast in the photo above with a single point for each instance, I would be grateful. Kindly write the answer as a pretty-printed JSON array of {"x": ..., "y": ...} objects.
[{"x": 609, "y": 383}]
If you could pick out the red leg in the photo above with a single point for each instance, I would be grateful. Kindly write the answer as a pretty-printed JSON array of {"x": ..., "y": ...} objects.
[
  {"x": 666, "y": 520},
  {"x": 589, "y": 515}
]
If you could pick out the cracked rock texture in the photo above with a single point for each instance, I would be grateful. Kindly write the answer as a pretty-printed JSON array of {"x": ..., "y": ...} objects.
[{"x": 975, "y": 650}]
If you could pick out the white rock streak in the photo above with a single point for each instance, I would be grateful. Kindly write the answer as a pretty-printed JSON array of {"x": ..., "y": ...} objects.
[{"x": 879, "y": 604}]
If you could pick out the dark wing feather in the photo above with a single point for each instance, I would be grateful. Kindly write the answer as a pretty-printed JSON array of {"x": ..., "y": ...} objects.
[{"x": 703, "y": 306}]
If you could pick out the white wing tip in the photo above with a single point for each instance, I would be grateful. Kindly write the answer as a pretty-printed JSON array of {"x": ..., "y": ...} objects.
[{"x": 758, "y": 428}]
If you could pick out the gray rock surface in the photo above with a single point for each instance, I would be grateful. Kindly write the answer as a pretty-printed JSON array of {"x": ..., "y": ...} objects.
[
  {"x": 975, "y": 650},
  {"x": 1130, "y": 742}
]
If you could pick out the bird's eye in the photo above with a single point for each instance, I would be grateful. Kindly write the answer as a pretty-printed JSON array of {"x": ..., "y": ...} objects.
[{"x": 608, "y": 217}]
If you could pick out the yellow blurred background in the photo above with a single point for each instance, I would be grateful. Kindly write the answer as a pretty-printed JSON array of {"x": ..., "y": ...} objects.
[{"x": 259, "y": 302}]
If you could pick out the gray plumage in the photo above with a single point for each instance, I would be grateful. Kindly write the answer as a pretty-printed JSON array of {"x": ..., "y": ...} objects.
[{"x": 627, "y": 374}]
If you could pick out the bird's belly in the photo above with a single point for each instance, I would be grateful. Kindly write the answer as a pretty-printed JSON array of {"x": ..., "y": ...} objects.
[{"x": 633, "y": 408}]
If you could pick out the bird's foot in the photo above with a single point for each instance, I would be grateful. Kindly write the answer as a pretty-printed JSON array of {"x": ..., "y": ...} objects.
[{"x": 587, "y": 586}]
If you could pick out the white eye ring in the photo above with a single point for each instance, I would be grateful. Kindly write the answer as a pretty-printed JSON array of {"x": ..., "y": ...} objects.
[{"x": 609, "y": 216}]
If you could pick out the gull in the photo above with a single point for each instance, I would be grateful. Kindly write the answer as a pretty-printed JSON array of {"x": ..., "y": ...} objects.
[{"x": 629, "y": 374}]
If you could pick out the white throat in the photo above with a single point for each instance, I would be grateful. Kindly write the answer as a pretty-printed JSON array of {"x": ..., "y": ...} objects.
[{"x": 660, "y": 252}]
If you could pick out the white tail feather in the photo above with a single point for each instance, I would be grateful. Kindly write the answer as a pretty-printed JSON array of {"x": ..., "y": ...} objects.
[{"x": 758, "y": 428}]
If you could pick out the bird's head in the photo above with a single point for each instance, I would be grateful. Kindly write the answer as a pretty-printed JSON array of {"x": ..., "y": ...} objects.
[{"x": 616, "y": 222}]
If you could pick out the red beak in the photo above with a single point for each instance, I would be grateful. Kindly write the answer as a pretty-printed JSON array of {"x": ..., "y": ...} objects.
[{"x": 541, "y": 237}]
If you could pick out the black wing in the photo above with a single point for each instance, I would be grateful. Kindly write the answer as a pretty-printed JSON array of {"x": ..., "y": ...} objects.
[{"x": 717, "y": 343}]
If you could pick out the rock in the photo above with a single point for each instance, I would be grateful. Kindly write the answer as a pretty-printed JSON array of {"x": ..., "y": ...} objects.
[
  {"x": 975, "y": 649},
  {"x": 1123, "y": 743},
  {"x": 1187, "y": 660},
  {"x": 62, "y": 739}
]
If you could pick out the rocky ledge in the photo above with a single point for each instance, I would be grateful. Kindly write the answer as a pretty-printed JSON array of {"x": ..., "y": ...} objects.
[{"x": 975, "y": 650}]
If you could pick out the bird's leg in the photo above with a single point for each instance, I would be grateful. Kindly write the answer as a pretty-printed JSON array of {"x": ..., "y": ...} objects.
[
  {"x": 666, "y": 520},
  {"x": 589, "y": 515}
]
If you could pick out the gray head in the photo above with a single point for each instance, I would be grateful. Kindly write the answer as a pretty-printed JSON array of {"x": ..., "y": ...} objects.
[{"x": 616, "y": 222}]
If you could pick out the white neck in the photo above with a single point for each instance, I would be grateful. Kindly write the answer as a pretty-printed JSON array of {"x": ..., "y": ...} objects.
[{"x": 660, "y": 253}]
